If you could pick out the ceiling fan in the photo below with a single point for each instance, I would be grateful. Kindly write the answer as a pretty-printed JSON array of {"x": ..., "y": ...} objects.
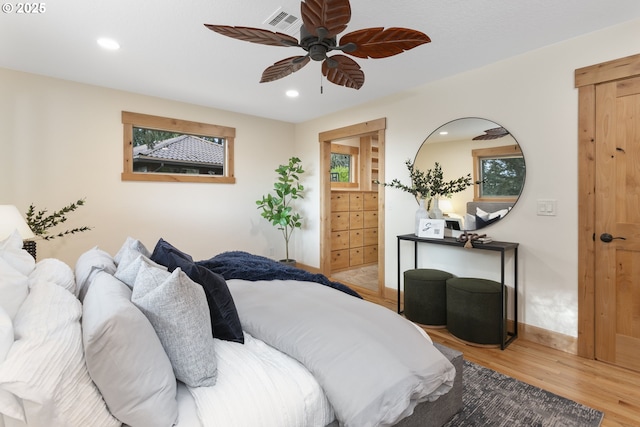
[
  {"x": 322, "y": 21},
  {"x": 493, "y": 133}
]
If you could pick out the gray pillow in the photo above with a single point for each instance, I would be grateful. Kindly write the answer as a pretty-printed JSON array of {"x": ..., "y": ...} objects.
[
  {"x": 177, "y": 308},
  {"x": 125, "y": 358},
  {"x": 131, "y": 244},
  {"x": 130, "y": 265}
]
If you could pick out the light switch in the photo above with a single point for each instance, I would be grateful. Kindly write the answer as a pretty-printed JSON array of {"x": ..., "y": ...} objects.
[{"x": 547, "y": 207}]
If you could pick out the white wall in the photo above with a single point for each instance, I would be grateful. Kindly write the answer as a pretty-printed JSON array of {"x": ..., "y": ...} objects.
[
  {"x": 61, "y": 141},
  {"x": 533, "y": 96}
]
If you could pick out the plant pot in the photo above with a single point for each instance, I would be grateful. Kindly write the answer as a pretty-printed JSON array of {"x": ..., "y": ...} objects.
[
  {"x": 30, "y": 246},
  {"x": 291, "y": 262},
  {"x": 435, "y": 211},
  {"x": 420, "y": 214}
]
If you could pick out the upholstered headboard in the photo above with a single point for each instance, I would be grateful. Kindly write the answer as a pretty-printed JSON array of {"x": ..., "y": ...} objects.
[{"x": 492, "y": 214}]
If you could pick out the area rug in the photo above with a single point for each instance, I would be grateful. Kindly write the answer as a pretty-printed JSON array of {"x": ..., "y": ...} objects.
[{"x": 493, "y": 399}]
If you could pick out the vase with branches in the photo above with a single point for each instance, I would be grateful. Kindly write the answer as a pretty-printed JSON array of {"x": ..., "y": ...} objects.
[
  {"x": 277, "y": 208},
  {"x": 40, "y": 221},
  {"x": 428, "y": 186},
  {"x": 430, "y": 183}
]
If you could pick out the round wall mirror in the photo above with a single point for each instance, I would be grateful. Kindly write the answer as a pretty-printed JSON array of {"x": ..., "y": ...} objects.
[{"x": 491, "y": 155}]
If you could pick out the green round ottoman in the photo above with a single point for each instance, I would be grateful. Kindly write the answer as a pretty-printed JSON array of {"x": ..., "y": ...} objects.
[
  {"x": 474, "y": 310},
  {"x": 425, "y": 296}
]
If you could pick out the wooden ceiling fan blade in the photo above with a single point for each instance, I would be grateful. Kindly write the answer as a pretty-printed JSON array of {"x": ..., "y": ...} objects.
[
  {"x": 333, "y": 15},
  {"x": 493, "y": 133},
  {"x": 343, "y": 71},
  {"x": 283, "y": 68},
  {"x": 379, "y": 42},
  {"x": 254, "y": 35}
]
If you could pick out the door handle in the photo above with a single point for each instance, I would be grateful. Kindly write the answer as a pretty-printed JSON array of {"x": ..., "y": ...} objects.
[{"x": 606, "y": 237}]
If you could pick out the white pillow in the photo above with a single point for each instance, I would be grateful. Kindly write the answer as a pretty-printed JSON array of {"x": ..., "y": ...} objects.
[
  {"x": 177, "y": 308},
  {"x": 14, "y": 287},
  {"x": 56, "y": 271},
  {"x": 469, "y": 222},
  {"x": 128, "y": 267},
  {"x": 45, "y": 367},
  {"x": 482, "y": 214},
  {"x": 11, "y": 251},
  {"x": 9, "y": 404},
  {"x": 134, "y": 244},
  {"x": 88, "y": 264},
  {"x": 125, "y": 357},
  {"x": 6, "y": 334}
]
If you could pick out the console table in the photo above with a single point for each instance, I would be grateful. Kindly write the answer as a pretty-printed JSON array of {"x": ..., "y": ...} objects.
[{"x": 501, "y": 247}]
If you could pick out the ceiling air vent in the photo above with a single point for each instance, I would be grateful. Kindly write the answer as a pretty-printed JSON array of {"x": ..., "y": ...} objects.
[{"x": 284, "y": 22}]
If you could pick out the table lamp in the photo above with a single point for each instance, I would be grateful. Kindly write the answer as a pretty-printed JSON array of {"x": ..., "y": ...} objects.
[{"x": 10, "y": 221}]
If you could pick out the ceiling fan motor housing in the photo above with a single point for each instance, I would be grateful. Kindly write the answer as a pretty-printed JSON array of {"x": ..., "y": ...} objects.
[{"x": 317, "y": 47}]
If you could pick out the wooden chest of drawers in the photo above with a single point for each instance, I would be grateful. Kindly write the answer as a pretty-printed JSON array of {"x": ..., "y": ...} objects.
[{"x": 354, "y": 228}]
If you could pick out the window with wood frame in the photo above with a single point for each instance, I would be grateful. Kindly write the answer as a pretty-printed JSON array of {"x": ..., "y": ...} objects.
[
  {"x": 172, "y": 150},
  {"x": 344, "y": 166},
  {"x": 499, "y": 173}
]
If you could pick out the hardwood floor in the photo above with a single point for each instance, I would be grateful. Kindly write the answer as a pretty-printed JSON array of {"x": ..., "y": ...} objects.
[{"x": 612, "y": 390}]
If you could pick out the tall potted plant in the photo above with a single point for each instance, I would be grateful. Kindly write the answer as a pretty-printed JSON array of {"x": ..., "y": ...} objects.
[{"x": 278, "y": 209}]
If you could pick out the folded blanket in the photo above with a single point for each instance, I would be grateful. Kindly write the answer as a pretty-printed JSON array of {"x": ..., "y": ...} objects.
[{"x": 246, "y": 266}]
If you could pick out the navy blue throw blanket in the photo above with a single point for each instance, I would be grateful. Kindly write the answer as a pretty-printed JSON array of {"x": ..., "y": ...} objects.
[{"x": 246, "y": 266}]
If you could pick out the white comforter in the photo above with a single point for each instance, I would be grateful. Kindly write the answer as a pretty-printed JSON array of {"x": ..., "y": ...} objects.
[{"x": 260, "y": 386}]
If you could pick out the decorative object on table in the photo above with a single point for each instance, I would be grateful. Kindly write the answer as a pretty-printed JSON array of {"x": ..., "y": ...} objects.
[
  {"x": 421, "y": 214},
  {"x": 322, "y": 21},
  {"x": 431, "y": 228},
  {"x": 430, "y": 185},
  {"x": 278, "y": 208},
  {"x": 469, "y": 238},
  {"x": 435, "y": 211},
  {"x": 11, "y": 220}
]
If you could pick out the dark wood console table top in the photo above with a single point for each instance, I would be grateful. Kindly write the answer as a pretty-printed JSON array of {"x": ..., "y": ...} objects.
[{"x": 495, "y": 246}]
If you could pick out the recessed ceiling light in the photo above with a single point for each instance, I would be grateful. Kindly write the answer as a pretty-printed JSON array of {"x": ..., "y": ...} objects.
[
  {"x": 292, "y": 93},
  {"x": 108, "y": 44},
  {"x": 444, "y": 132}
]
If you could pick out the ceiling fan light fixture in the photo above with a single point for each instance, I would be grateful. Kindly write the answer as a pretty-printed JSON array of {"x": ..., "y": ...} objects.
[{"x": 292, "y": 93}]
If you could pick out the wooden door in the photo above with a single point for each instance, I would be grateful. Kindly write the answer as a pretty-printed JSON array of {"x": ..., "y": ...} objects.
[{"x": 617, "y": 215}]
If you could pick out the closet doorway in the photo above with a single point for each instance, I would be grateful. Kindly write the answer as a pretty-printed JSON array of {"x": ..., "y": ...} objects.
[{"x": 352, "y": 240}]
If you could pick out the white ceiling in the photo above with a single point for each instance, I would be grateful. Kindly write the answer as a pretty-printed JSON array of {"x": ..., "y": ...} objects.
[{"x": 167, "y": 52}]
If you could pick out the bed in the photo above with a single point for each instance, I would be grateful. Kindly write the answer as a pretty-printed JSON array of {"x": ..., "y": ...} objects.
[{"x": 153, "y": 338}]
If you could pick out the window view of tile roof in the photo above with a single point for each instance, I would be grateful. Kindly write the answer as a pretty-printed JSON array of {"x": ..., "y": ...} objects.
[{"x": 182, "y": 154}]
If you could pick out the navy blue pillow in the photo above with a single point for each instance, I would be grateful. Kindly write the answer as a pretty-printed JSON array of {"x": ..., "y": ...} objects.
[
  {"x": 480, "y": 223},
  {"x": 224, "y": 316}
]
